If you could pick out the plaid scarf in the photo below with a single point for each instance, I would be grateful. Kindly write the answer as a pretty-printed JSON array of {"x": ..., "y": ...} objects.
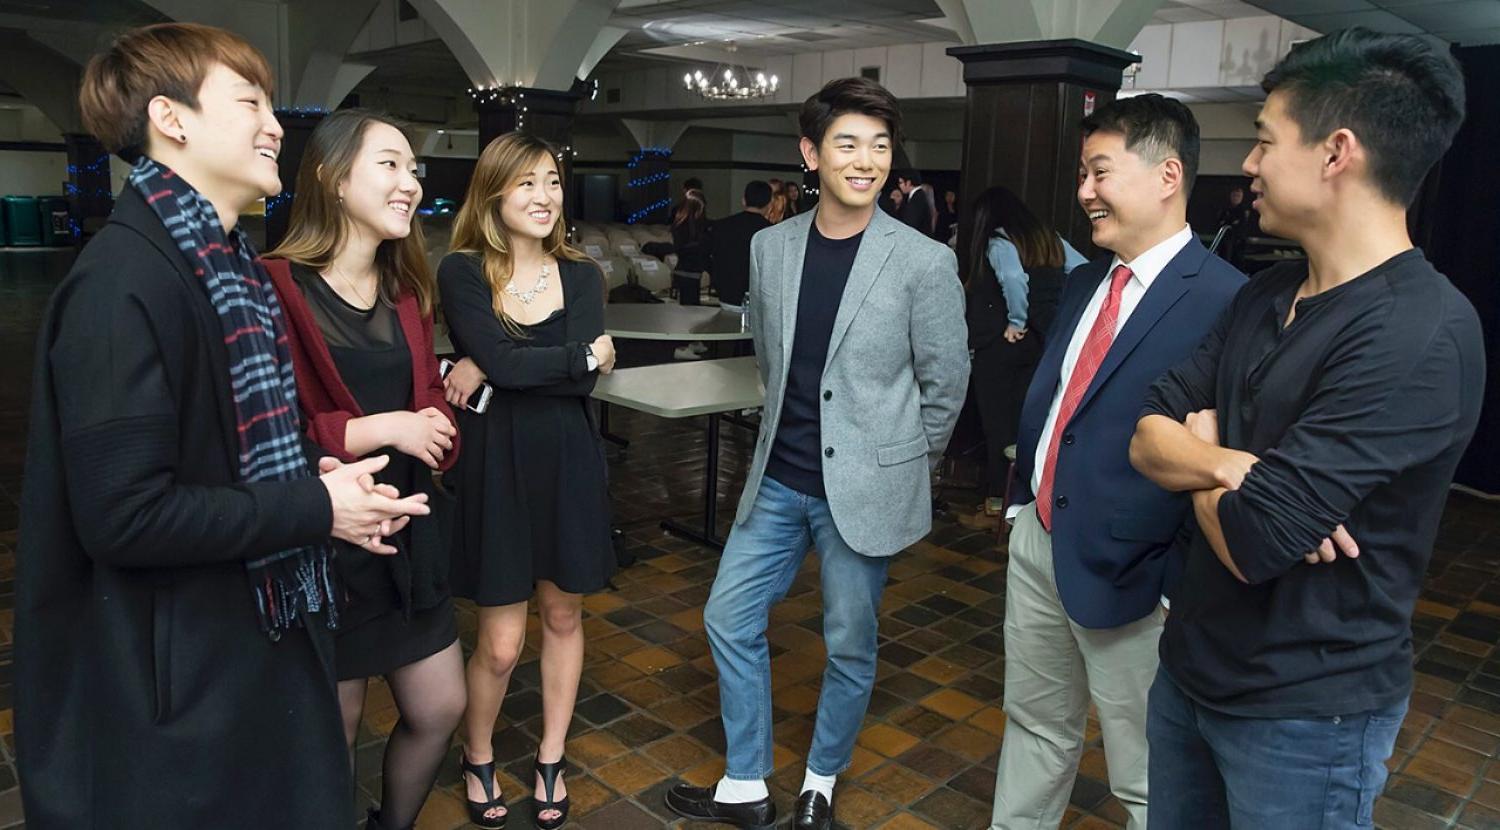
[{"x": 261, "y": 380}]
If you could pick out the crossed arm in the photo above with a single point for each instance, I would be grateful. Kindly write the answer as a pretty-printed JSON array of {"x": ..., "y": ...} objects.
[
  {"x": 1284, "y": 513},
  {"x": 1187, "y": 456}
]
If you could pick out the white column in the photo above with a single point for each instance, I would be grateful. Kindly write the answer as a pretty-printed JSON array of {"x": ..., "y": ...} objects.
[
  {"x": 537, "y": 44},
  {"x": 305, "y": 42},
  {"x": 1110, "y": 22}
]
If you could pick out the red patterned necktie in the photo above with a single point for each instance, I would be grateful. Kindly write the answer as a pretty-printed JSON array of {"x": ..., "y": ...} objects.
[{"x": 1095, "y": 347}]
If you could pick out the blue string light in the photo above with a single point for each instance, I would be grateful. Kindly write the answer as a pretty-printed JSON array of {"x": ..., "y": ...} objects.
[
  {"x": 301, "y": 112},
  {"x": 274, "y": 203},
  {"x": 645, "y": 180},
  {"x": 645, "y": 211},
  {"x": 99, "y": 165},
  {"x": 74, "y": 190},
  {"x": 657, "y": 152}
]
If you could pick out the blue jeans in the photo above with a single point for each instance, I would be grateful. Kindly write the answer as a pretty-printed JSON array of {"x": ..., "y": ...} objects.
[
  {"x": 761, "y": 558},
  {"x": 1212, "y": 770}
]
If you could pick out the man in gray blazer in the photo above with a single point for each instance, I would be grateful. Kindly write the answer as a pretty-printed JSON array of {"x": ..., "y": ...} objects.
[{"x": 858, "y": 321}]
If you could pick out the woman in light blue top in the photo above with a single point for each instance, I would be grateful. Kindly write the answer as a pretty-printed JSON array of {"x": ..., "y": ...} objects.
[
  {"x": 1005, "y": 261},
  {"x": 1017, "y": 266}
]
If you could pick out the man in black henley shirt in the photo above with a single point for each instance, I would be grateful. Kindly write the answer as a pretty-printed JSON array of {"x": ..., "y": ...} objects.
[{"x": 1318, "y": 426}]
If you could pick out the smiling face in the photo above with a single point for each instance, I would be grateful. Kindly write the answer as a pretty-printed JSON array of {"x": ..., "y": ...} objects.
[
  {"x": 1122, "y": 193},
  {"x": 852, "y": 161},
  {"x": 381, "y": 193},
  {"x": 233, "y": 138},
  {"x": 1287, "y": 173},
  {"x": 533, "y": 204}
]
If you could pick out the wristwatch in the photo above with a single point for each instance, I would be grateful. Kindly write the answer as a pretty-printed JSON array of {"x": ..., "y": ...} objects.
[{"x": 588, "y": 358}]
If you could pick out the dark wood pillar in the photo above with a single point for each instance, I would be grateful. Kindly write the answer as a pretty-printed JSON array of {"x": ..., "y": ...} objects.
[
  {"x": 90, "y": 199},
  {"x": 297, "y": 126},
  {"x": 1021, "y": 123},
  {"x": 545, "y": 113}
]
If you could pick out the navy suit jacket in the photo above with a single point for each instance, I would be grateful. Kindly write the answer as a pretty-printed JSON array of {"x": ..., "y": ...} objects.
[{"x": 1115, "y": 534}]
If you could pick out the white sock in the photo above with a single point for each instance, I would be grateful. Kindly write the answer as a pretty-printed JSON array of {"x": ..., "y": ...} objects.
[
  {"x": 735, "y": 791},
  {"x": 819, "y": 783}
]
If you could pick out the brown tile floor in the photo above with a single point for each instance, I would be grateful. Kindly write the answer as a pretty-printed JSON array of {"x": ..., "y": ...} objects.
[{"x": 647, "y": 713}]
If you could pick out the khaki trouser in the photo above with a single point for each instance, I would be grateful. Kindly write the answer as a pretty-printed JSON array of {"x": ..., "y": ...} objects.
[{"x": 1053, "y": 668}]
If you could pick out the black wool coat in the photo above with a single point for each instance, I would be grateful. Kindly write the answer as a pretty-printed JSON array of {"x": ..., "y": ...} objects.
[{"x": 146, "y": 695}]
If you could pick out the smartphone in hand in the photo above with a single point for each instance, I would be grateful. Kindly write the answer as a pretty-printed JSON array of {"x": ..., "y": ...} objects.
[{"x": 477, "y": 402}]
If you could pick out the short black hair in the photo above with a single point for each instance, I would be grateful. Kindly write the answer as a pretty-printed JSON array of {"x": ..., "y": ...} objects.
[
  {"x": 910, "y": 175},
  {"x": 1155, "y": 128},
  {"x": 846, "y": 95},
  {"x": 1402, "y": 97},
  {"x": 757, "y": 194},
  {"x": 692, "y": 183}
]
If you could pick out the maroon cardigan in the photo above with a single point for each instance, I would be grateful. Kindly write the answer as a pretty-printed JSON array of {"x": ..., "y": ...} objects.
[{"x": 327, "y": 404}]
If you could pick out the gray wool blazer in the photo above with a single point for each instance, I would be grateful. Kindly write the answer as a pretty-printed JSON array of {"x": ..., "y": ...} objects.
[{"x": 896, "y": 375}]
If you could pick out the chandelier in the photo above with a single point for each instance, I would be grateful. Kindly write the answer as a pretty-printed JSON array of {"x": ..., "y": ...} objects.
[{"x": 730, "y": 81}]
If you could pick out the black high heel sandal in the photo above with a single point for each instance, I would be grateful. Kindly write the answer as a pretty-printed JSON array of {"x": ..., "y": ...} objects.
[
  {"x": 549, "y": 773},
  {"x": 485, "y": 775}
]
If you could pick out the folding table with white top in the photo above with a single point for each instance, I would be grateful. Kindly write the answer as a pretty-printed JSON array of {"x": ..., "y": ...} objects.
[{"x": 686, "y": 390}]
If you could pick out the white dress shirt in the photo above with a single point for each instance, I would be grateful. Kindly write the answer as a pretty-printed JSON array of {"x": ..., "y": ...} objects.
[{"x": 1144, "y": 271}]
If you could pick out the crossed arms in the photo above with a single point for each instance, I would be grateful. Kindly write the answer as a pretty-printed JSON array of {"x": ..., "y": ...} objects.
[{"x": 1379, "y": 405}]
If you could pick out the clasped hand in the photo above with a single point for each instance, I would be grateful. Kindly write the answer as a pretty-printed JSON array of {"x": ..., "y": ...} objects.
[
  {"x": 426, "y": 435},
  {"x": 366, "y": 512}
]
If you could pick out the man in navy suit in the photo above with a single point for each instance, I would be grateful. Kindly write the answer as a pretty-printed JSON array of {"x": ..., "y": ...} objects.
[{"x": 1092, "y": 551}]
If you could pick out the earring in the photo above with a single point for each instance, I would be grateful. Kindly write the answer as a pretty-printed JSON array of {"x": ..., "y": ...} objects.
[{"x": 182, "y": 138}]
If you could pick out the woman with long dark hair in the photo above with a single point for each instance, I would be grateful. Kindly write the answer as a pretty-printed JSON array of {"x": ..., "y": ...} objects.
[
  {"x": 1016, "y": 265},
  {"x": 690, "y": 243},
  {"x": 358, "y": 294},
  {"x": 690, "y": 229},
  {"x": 175, "y": 586},
  {"x": 793, "y": 198},
  {"x": 526, "y": 310}
]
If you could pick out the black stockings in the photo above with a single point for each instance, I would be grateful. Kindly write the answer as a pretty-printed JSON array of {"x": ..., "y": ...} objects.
[{"x": 430, "y": 698}]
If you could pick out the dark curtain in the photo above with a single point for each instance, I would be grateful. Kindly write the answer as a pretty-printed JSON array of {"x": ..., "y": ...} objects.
[{"x": 1455, "y": 223}]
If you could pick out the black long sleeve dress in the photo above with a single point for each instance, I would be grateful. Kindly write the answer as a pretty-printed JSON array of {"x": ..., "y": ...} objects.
[{"x": 533, "y": 501}]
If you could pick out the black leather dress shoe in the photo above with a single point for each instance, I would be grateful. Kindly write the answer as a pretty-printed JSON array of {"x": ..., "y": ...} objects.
[
  {"x": 814, "y": 812},
  {"x": 698, "y": 803}
]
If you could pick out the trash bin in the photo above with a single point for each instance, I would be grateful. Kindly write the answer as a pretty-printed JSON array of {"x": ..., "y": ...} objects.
[
  {"x": 21, "y": 225},
  {"x": 4, "y": 236},
  {"x": 55, "y": 220}
]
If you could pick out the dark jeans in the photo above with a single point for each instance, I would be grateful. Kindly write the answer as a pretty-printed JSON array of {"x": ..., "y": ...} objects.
[
  {"x": 1212, "y": 770},
  {"x": 688, "y": 286}
]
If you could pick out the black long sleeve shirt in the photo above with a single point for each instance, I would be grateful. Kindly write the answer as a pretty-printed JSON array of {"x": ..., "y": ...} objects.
[
  {"x": 511, "y": 363},
  {"x": 1358, "y": 411}
]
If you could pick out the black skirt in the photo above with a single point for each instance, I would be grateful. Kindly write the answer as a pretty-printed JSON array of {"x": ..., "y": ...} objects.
[{"x": 380, "y": 646}]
